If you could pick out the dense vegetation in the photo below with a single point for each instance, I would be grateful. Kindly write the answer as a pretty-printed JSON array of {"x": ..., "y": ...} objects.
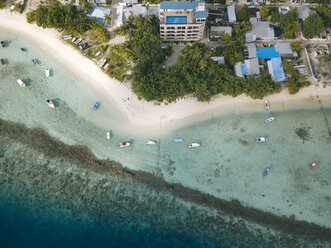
[
  {"x": 244, "y": 14},
  {"x": 296, "y": 81},
  {"x": 289, "y": 23},
  {"x": 2, "y": 4},
  {"x": 194, "y": 71},
  {"x": 67, "y": 17},
  {"x": 312, "y": 26}
]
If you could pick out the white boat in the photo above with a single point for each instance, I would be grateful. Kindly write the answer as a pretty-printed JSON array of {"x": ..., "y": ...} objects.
[
  {"x": 73, "y": 39},
  {"x": 261, "y": 139},
  {"x": 269, "y": 119},
  {"x": 266, "y": 105},
  {"x": 20, "y": 82},
  {"x": 193, "y": 145},
  {"x": 50, "y": 103},
  {"x": 108, "y": 135},
  {"x": 78, "y": 41},
  {"x": 47, "y": 72},
  {"x": 124, "y": 144},
  {"x": 150, "y": 142}
]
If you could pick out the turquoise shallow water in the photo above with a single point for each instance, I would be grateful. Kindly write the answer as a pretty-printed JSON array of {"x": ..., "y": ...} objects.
[{"x": 229, "y": 164}]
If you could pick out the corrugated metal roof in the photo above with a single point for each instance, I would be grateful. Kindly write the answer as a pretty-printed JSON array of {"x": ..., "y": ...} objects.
[
  {"x": 231, "y": 13},
  {"x": 283, "y": 48},
  {"x": 276, "y": 69}
]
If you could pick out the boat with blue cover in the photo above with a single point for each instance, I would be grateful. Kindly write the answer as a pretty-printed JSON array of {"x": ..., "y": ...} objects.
[
  {"x": 22, "y": 49},
  {"x": 96, "y": 105},
  {"x": 177, "y": 140},
  {"x": 266, "y": 171}
]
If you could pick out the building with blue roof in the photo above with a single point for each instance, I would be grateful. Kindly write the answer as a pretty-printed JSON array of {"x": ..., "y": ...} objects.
[
  {"x": 276, "y": 69},
  {"x": 182, "y": 20}
]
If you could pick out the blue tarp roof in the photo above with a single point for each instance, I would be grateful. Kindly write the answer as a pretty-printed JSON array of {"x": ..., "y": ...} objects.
[
  {"x": 184, "y": 5},
  {"x": 277, "y": 68},
  {"x": 266, "y": 52},
  {"x": 176, "y": 19}
]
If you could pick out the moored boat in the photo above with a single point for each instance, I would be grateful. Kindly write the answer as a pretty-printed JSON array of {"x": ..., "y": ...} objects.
[
  {"x": 314, "y": 164},
  {"x": 177, "y": 140},
  {"x": 266, "y": 105},
  {"x": 23, "y": 49},
  {"x": 261, "y": 139},
  {"x": 96, "y": 105},
  {"x": 47, "y": 72},
  {"x": 124, "y": 144},
  {"x": 20, "y": 82},
  {"x": 194, "y": 145},
  {"x": 269, "y": 119},
  {"x": 34, "y": 61},
  {"x": 266, "y": 171},
  {"x": 3, "y": 61},
  {"x": 3, "y": 44},
  {"x": 50, "y": 103},
  {"x": 108, "y": 135},
  {"x": 150, "y": 142}
]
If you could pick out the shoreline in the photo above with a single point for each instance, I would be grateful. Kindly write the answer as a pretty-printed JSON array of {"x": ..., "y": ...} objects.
[
  {"x": 139, "y": 113},
  {"x": 35, "y": 139}
]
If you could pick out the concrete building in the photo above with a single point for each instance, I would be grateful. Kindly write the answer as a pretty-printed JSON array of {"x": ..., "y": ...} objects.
[{"x": 182, "y": 21}]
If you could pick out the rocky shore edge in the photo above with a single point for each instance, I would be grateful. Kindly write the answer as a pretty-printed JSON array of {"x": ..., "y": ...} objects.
[{"x": 40, "y": 140}]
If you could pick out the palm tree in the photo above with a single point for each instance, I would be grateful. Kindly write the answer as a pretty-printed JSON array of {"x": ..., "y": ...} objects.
[{"x": 107, "y": 18}]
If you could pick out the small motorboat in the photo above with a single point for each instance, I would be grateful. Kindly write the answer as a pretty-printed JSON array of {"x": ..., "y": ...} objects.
[
  {"x": 47, "y": 72},
  {"x": 20, "y": 82},
  {"x": 177, "y": 140},
  {"x": 261, "y": 139},
  {"x": 34, "y": 61},
  {"x": 266, "y": 171},
  {"x": 266, "y": 105},
  {"x": 96, "y": 105},
  {"x": 3, "y": 44},
  {"x": 50, "y": 103},
  {"x": 269, "y": 119},
  {"x": 193, "y": 145},
  {"x": 150, "y": 142},
  {"x": 108, "y": 135},
  {"x": 314, "y": 164},
  {"x": 124, "y": 144},
  {"x": 3, "y": 61},
  {"x": 23, "y": 49}
]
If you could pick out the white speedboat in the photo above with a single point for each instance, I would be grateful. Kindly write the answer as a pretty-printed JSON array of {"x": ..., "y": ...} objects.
[
  {"x": 124, "y": 144},
  {"x": 193, "y": 145},
  {"x": 269, "y": 119},
  {"x": 50, "y": 103},
  {"x": 20, "y": 82},
  {"x": 266, "y": 105},
  {"x": 47, "y": 72},
  {"x": 108, "y": 135},
  {"x": 150, "y": 142},
  {"x": 261, "y": 139}
]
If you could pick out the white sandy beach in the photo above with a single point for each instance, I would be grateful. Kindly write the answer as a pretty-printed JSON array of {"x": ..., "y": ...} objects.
[{"x": 139, "y": 113}]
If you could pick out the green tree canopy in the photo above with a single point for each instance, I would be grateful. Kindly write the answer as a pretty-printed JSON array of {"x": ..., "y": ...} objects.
[
  {"x": 312, "y": 26},
  {"x": 289, "y": 23},
  {"x": 296, "y": 46},
  {"x": 264, "y": 11},
  {"x": 244, "y": 14}
]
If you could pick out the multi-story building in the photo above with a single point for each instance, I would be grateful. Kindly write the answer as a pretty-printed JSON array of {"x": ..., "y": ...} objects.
[{"x": 182, "y": 21}]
